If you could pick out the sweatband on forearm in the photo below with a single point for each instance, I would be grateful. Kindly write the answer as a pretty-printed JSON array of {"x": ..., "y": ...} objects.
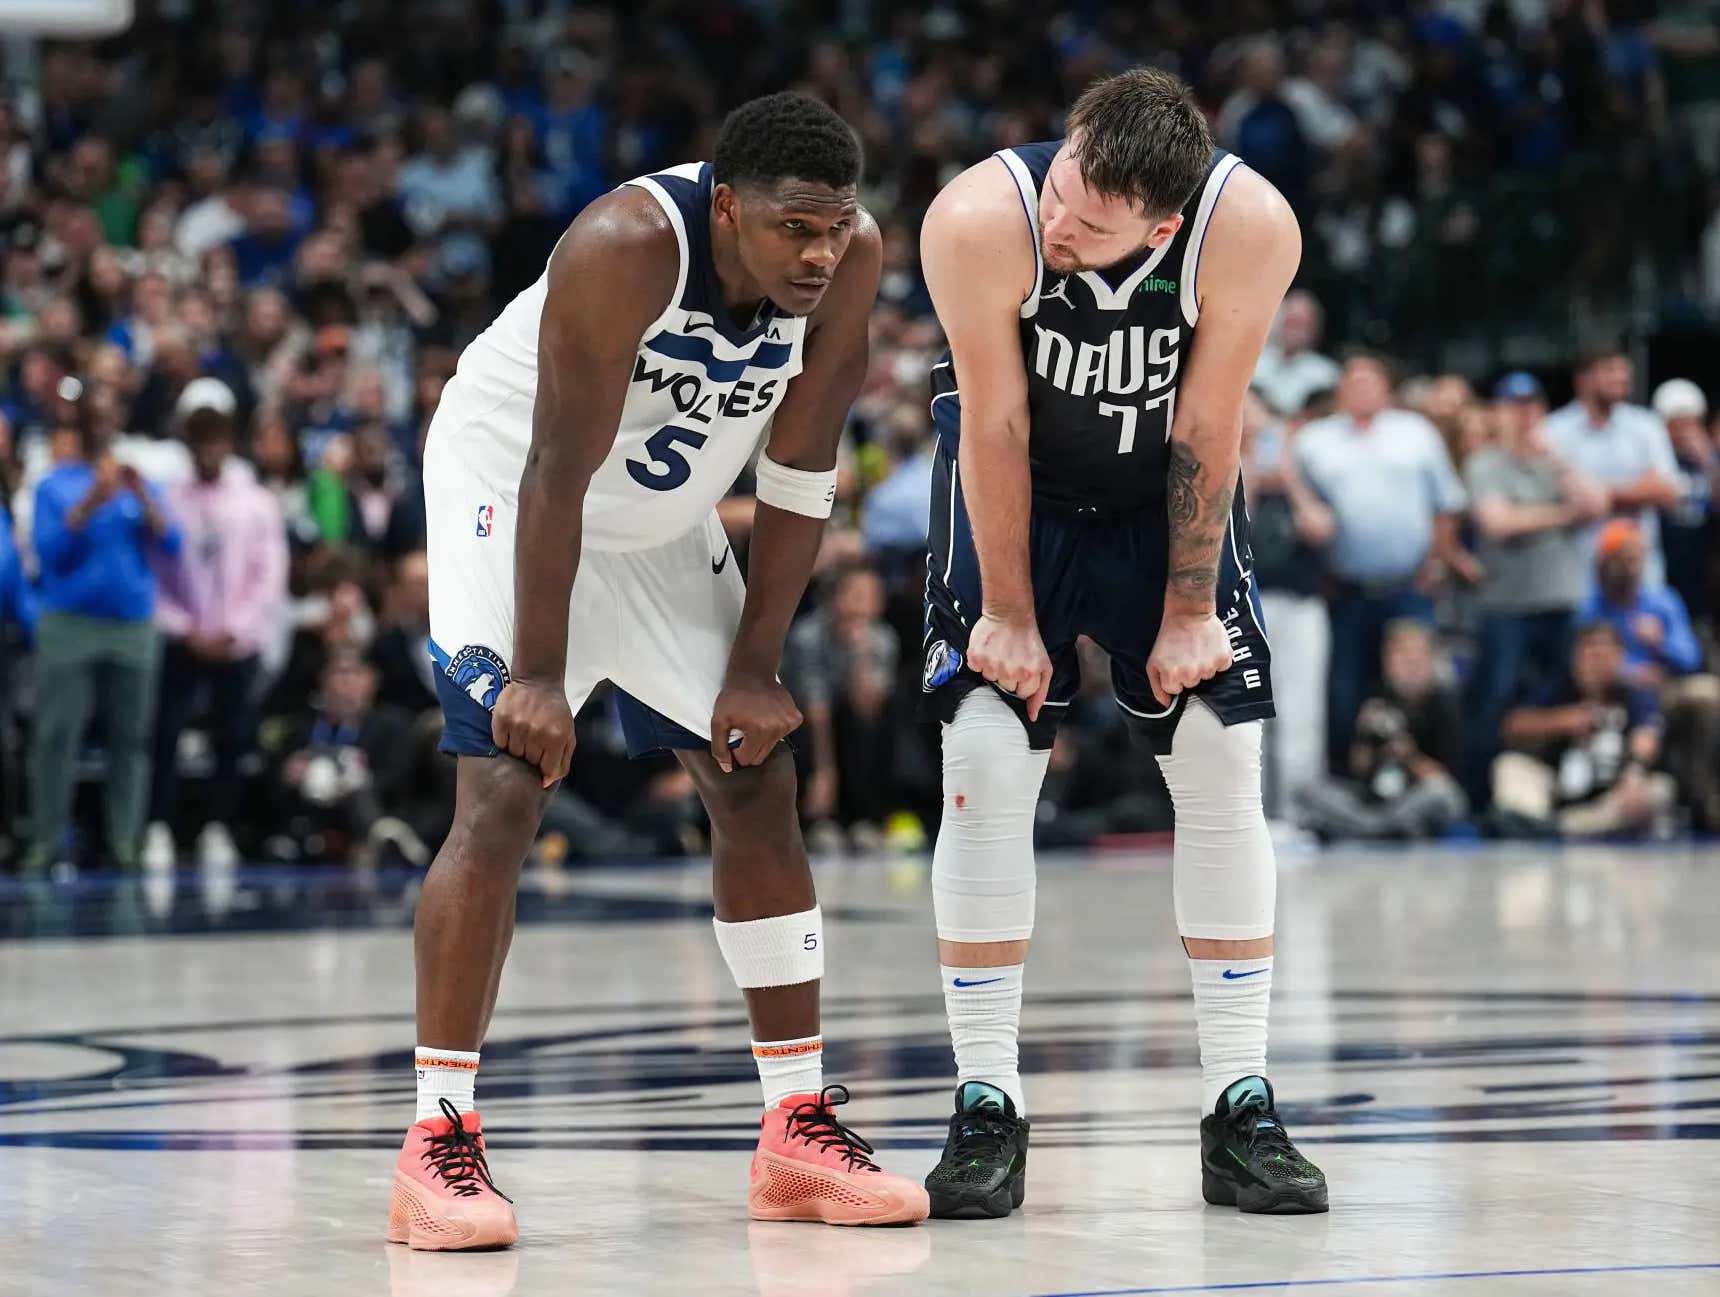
[{"x": 797, "y": 490}]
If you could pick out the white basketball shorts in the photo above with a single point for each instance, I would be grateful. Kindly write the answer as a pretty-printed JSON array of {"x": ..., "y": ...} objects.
[{"x": 658, "y": 623}]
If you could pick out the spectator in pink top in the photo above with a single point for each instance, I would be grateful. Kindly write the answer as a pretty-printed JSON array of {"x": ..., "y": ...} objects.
[{"x": 220, "y": 601}]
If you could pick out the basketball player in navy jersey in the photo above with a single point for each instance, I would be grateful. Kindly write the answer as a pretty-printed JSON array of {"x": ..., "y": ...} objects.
[{"x": 1106, "y": 297}]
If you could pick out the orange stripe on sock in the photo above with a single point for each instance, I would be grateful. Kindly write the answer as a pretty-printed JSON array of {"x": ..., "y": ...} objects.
[
  {"x": 788, "y": 1051},
  {"x": 455, "y": 1064}
]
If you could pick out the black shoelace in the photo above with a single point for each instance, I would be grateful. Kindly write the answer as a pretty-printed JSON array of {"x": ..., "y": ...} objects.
[
  {"x": 816, "y": 1124},
  {"x": 1263, "y": 1131},
  {"x": 978, "y": 1133},
  {"x": 459, "y": 1159}
]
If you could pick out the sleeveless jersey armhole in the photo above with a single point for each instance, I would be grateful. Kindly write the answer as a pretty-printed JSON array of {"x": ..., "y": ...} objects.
[
  {"x": 673, "y": 211},
  {"x": 1029, "y": 195},
  {"x": 1215, "y": 182}
]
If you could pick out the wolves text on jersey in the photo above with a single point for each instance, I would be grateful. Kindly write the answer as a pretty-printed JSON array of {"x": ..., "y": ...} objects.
[{"x": 701, "y": 405}]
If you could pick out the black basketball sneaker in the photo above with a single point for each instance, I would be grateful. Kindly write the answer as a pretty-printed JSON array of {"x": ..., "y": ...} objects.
[
  {"x": 1247, "y": 1160},
  {"x": 984, "y": 1167}
]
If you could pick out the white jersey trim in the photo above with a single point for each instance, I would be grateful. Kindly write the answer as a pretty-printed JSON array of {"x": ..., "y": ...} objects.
[
  {"x": 1117, "y": 299},
  {"x": 1029, "y": 193},
  {"x": 673, "y": 211},
  {"x": 1189, "y": 290}
]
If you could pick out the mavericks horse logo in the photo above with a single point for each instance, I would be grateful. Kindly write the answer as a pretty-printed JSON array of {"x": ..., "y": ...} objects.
[{"x": 942, "y": 663}]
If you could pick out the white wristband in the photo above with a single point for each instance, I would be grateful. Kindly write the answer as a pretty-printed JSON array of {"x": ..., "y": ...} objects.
[{"x": 796, "y": 489}]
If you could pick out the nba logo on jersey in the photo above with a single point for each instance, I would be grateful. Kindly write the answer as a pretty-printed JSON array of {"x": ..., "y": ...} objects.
[{"x": 486, "y": 517}]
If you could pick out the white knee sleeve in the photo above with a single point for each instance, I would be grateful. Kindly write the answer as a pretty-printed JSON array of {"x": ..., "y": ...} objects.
[
  {"x": 982, "y": 866},
  {"x": 1225, "y": 874}
]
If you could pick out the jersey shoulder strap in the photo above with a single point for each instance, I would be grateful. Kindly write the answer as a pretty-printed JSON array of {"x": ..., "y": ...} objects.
[
  {"x": 1027, "y": 165},
  {"x": 1197, "y": 215},
  {"x": 677, "y": 191}
]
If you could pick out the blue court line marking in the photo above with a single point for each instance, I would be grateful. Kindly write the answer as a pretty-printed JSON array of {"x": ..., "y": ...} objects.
[{"x": 1261, "y": 1284}]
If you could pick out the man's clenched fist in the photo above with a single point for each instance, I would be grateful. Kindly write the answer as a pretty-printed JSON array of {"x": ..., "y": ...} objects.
[
  {"x": 1009, "y": 653},
  {"x": 533, "y": 722},
  {"x": 1190, "y": 648}
]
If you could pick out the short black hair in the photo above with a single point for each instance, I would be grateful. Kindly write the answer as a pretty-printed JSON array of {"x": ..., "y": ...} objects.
[
  {"x": 1139, "y": 136},
  {"x": 786, "y": 136}
]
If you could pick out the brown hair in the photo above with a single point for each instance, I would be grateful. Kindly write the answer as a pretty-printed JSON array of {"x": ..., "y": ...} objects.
[
  {"x": 1596, "y": 350},
  {"x": 1139, "y": 136},
  {"x": 1378, "y": 359}
]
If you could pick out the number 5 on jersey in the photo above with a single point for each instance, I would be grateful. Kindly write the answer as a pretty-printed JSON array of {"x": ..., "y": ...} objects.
[{"x": 668, "y": 467}]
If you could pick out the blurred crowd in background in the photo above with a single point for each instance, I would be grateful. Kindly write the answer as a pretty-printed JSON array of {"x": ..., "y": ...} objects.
[{"x": 243, "y": 245}]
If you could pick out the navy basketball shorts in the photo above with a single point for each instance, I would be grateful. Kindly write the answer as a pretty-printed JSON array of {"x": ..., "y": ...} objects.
[{"x": 1098, "y": 575}]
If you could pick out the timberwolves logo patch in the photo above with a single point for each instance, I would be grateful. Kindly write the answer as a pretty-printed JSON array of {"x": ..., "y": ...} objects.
[
  {"x": 942, "y": 663},
  {"x": 480, "y": 673}
]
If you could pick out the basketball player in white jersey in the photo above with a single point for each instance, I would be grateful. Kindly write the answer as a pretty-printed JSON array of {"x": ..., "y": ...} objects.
[
  {"x": 1106, "y": 297},
  {"x": 571, "y": 478}
]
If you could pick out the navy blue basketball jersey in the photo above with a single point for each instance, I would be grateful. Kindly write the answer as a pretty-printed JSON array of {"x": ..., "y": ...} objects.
[{"x": 1104, "y": 352}]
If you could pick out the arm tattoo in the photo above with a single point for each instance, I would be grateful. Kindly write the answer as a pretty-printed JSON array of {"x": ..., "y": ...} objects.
[{"x": 1199, "y": 512}]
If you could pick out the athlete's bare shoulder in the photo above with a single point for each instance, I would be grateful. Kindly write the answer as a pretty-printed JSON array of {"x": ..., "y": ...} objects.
[
  {"x": 976, "y": 230},
  {"x": 624, "y": 238},
  {"x": 984, "y": 191},
  {"x": 1253, "y": 243}
]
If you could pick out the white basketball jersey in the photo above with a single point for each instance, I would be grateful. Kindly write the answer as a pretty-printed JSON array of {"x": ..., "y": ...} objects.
[{"x": 701, "y": 399}]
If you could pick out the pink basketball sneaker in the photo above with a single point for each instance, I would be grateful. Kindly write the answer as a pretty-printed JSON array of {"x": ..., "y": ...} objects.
[
  {"x": 444, "y": 1199},
  {"x": 809, "y": 1166}
]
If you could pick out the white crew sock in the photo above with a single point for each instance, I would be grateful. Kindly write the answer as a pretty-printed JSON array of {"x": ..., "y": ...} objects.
[
  {"x": 444, "y": 1074},
  {"x": 984, "y": 1007},
  {"x": 1230, "y": 1001},
  {"x": 788, "y": 1067}
]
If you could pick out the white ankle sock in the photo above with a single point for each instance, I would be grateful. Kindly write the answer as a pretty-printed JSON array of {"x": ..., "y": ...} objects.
[
  {"x": 1230, "y": 1001},
  {"x": 444, "y": 1074},
  {"x": 984, "y": 1007},
  {"x": 788, "y": 1067}
]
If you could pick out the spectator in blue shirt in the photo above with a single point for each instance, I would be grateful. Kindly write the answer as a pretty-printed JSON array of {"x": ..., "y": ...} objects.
[
  {"x": 95, "y": 527},
  {"x": 897, "y": 509},
  {"x": 1651, "y": 621},
  {"x": 266, "y": 249},
  {"x": 1662, "y": 656},
  {"x": 574, "y": 127}
]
